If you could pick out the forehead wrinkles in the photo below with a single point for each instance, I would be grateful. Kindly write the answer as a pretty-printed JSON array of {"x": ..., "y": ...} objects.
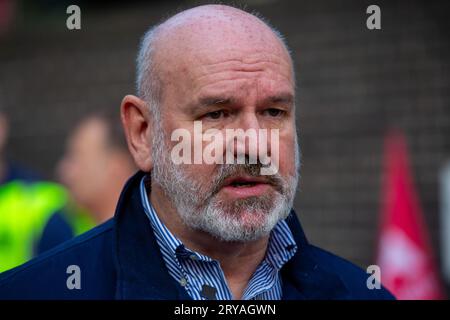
[
  {"x": 195, "y": 69},
  {"x": 257, "y": 66},
  {"x": 209, "y": 52}
]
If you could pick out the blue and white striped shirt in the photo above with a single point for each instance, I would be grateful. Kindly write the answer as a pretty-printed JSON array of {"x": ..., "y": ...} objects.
[{"x": 192, "y": 270}]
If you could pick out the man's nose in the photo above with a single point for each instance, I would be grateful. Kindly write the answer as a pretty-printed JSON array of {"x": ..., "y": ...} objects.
[{"x": 248, "y": 120}]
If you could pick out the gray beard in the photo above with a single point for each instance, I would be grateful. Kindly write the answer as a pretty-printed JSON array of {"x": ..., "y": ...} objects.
[{"x": 199, "y": 208}]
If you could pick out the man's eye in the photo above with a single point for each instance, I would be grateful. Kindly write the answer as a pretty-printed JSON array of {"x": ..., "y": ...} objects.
[
  {"x": 215, "y": 114},
  {"x": 272, "y": 112}
]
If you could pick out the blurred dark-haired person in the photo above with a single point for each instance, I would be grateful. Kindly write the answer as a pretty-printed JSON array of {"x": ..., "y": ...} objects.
[
  {"x": 96, "y": 165},
  {"x": 203, "y": 230}
]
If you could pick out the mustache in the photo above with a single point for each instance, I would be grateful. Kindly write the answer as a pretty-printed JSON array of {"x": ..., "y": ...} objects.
[{"x": 226, "y": 171}]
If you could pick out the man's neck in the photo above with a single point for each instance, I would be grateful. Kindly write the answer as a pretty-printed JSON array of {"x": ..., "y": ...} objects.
[{"x": 238, "y": 260}]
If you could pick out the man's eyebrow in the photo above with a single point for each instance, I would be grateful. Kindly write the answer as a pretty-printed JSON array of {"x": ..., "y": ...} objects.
[
  {"x": 209, "y": 101},
  {"x": 280, "y": 98}
]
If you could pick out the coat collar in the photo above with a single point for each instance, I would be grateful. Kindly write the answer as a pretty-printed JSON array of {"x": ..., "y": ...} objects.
[{"x": 142, "y": 274}]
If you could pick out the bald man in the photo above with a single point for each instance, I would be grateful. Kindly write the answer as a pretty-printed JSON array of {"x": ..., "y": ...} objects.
[{"x": 209, "y": 214}]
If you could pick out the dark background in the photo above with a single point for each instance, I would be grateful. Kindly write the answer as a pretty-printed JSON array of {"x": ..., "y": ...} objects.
[{"x": 353, "y": 83}]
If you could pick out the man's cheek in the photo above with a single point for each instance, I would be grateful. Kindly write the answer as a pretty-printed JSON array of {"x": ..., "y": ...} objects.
[
  {"x": 199, "y": 172},
  {"x": 287, "y": 161}
]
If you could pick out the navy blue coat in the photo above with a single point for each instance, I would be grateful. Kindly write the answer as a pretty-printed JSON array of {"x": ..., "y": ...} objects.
[{"x": 120, "y": 259}]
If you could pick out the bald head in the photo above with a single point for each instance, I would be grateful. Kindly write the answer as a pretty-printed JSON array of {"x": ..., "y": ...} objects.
[{"x": 205, "y": 35}]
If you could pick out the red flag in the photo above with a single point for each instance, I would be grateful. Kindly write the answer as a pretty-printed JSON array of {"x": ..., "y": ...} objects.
[{"x": 404, "y": 252}]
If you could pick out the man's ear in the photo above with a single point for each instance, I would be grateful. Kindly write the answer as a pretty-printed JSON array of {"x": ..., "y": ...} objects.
[{"x": 137, "y": 124}]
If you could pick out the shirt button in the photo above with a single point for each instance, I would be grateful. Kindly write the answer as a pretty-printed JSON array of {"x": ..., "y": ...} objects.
[
  {"x": 193, "y": 257},
  {"x": 183, "y": 282}
]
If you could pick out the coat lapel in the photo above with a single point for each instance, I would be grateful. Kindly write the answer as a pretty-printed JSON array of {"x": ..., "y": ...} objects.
[{"x": 141, "y": 271}]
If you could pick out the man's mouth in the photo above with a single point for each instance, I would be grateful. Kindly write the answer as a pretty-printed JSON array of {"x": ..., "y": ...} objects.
[{"x": 245, "y": 186}]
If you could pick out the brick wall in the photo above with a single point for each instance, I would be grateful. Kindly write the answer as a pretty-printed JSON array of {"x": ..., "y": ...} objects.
[{"x": 353, "y": 85}]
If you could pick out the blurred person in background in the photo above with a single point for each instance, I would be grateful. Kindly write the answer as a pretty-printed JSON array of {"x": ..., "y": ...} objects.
[
  {"x": 96, "y": 165},
  {"x": 27, "y": 205}
]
